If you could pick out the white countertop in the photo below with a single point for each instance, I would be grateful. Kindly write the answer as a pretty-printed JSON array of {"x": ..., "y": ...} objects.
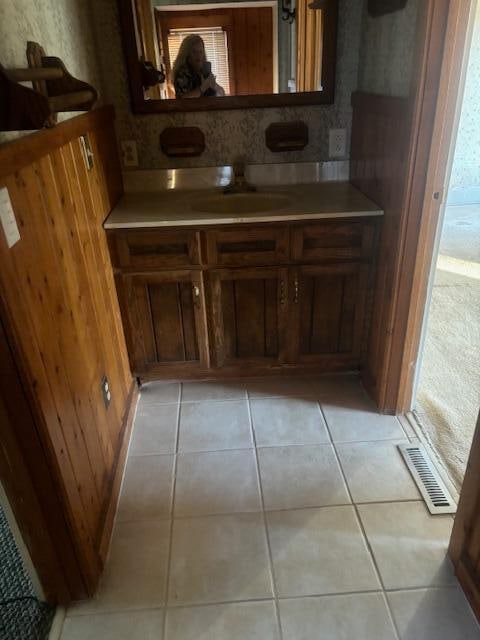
[{"x": 172, "y": 208}]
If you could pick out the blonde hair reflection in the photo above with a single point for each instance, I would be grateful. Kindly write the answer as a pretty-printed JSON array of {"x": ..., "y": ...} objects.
[{"x": 185, "y": 50}]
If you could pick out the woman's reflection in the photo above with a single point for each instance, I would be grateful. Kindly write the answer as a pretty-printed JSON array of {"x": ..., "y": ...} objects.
[{"x": 192, "y": 73}]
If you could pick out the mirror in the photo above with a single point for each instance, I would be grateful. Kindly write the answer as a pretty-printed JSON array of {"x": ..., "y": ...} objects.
[{"x": 187, "y": 55}]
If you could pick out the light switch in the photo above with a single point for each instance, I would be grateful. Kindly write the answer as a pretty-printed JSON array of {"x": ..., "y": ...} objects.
[
  {"x": 129, "y": 153},
  {"x": 7, "y": 216}
]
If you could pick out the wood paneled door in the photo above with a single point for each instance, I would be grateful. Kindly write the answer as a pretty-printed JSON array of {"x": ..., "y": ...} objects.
[
  {"x": 166, "y": 314},
  {"x": 328, "y": 309},
  {"x": 249, "y": 315}
]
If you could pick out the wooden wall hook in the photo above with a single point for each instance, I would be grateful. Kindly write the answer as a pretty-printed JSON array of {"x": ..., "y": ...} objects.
[{"x": 53, "y": 90}]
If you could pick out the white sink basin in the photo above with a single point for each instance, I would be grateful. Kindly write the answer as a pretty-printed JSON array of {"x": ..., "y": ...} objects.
[{"x": 242, "y": 203}]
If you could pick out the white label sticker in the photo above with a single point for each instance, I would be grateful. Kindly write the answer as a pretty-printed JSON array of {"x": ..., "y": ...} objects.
[{"x": 7, "y": 217}]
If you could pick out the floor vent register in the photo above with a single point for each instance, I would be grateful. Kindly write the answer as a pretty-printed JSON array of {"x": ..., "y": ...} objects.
[{"x": 428, "y": 480}]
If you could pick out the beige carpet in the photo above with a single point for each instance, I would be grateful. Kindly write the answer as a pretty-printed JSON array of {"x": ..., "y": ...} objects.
[{"x": 448, "y": 395}]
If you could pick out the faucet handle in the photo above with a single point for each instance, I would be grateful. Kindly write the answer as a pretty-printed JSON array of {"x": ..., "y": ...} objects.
[{"x": 238, "y": 167}]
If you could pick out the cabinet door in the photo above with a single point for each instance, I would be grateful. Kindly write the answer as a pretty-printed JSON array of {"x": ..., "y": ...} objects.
[
  {"x": 166, "y": 321},
  {"x": 248, "y": 315},
  {"x": 328, "y": 313}
]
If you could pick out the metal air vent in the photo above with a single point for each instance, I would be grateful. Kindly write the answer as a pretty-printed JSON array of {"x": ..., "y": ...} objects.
[{"x": 427, "y": 478}]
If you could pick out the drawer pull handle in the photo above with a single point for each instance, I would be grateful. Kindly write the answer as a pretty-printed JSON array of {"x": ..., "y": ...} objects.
[
  {"x": 283, "y": 297},
  {"x": 196, "y": 295},
  {"x": 296, "y": 288}
]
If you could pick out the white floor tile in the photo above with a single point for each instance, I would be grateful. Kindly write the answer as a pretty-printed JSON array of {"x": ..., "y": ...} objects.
[
  {"x": 409, "y": 545},
  {"x": 433, "y": 614},
  {"x": 340, "y": 389},
  {"x": 217, "y": 482},
  {"x": 219, "y": 551},
  {"x": 359, "y": 421},
  {"x": 214, "y": 426},
  {"x": 218, "y": 559},
  {"x": 376, "y": 472},
  {"x": 283, "y": 421},
  {"x": 301, "y": 476},
  {"x": 319, "y": 551},
  {"x": 217, "y": 390},
  {"x": 362, "y": 616},
  {"x": 297, "y": 387},
  {"x": 147, "y": 489},
  {"x": 159, "y": 393},
  {"x": 242, "y": 621},
  {"x": 133, "y": 625},
  {"x": 155, "y": 429},
  {"x": 136, "y": 570}
]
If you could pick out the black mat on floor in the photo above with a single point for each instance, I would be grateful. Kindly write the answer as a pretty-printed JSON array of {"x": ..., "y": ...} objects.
[{"x": 22, "y": 615}]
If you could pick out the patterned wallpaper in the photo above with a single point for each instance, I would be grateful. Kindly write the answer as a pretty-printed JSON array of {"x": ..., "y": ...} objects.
[
  {"x": 86, "y": 35},
  {"x": 466, "y": 167},
  {"x": 386, "y": 53},
  {"x": 62, "y": 27},
  {"x": 228, "y": 133}
]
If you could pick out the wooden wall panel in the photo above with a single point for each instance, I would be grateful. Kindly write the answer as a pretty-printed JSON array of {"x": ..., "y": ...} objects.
[
  {"x": 252, "y": 49},
  {"x": 61, "y": 311},
  {"x": 380, "y": 138},
  {"x": 392, "y": 140}
]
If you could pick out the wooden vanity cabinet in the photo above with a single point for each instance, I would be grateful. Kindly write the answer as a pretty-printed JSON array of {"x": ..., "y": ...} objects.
[
  {"x": 249, "y": 313},
  {"x": 242, "y": 298},
  {"x": 328, "y": 313},
  {"x": 165, "y": 321}
]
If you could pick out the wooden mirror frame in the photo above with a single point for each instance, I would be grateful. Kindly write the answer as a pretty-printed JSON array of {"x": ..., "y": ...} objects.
[{"x": 141, "y": 106}]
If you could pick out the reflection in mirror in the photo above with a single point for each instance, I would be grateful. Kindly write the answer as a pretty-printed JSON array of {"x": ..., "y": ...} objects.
[{"x": 194, "y": 49}]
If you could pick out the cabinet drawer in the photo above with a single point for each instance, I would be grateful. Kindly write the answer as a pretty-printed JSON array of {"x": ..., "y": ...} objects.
[
  {"x": 257, "y": 246},
  {"x": 343, "y": 240},
  {"x": 149, "y": 249}
]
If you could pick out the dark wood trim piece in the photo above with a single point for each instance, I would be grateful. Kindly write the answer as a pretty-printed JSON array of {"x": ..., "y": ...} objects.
[
  {"x": 236, "y": 102},
  {"x": 466, "y": 528},
  {"x": 22, "y": 152},
  {"x": 250, "y": 367},
  {"x": 129, "y": 45},
  {"x": 182, "y": 142},
  {"x": 330, "y": 49},
  {"x": 117, "y": 474},
  {"x": 286, "y": 136}
]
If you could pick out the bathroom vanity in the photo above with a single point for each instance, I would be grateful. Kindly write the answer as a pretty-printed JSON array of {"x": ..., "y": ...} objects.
[{"x": 213, "y": 284}]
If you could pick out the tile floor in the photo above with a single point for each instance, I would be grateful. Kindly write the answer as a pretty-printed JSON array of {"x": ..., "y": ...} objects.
[{"x": 271, "y": 510}]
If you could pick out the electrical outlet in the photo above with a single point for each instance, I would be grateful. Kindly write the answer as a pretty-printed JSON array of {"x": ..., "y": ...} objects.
[
  {"x": 129, "y": 153},
  {"x": 106, "y": 393},
  {"x": 337, "y": 147}
]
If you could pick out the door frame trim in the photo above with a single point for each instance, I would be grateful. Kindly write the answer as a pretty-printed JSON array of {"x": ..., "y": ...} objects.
[{"x": 442, "y": 46}]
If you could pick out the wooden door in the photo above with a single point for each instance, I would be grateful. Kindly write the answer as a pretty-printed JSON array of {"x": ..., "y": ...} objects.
[
  {"x": 248, "y": 315},
  {"x": 465, "y": 543},
  {"x": 166, "y": 323},
  {"x": 328, "y": 312}
]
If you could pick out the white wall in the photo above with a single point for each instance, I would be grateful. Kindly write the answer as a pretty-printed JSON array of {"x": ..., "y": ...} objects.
[
  {"x": 386, "y": 55},
  {"x": 465, "y": 180}
]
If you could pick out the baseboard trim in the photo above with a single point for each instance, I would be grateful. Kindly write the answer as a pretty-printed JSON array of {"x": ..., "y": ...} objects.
[
  {"x": 57, "y": 624},
  {"x": 118, "y": 471}
]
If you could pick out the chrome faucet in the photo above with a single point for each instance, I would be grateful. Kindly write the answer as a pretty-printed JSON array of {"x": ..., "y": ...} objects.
[{"x": 239, "y": 183}]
